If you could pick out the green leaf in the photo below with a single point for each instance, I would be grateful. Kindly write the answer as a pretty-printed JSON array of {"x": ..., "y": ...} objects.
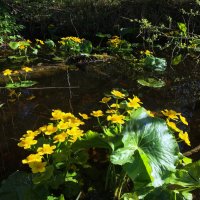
[
  {"x": 50, "y": 43},
  {"x": 22, "y": 84},
  {"x": 177, "y": 59},
  {"x": 123, "y": 155},
  {"x": 14, "y": 45},
  {"x": 182, "y": 27},
  {"x": 91, "y": 139},
  {"x": 154, "y": 63},
  {"x": 45, "y": 176},
  {"x": 157, "y": 149},
  {"x": 188, "y": 177},
  {"x": 19, "y": 186},
  {"x": 165, "y": 194},
  {"x": 101, "y": 35},
  {"x": 151, "y": 82},
  {"x": 129, "y": 196},
  {"x": 86, "y": 47}
]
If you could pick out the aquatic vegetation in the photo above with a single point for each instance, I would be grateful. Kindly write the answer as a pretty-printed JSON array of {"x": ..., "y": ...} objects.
[
  {"x": 118, "y": 46},
  {"x": 142, "y": 148},
  {"x": 74, "y": 45},
  {"x": 21, "y": 78}
]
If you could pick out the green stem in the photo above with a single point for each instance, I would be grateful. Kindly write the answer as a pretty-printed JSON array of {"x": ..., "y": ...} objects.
[{"x": 10, "y": 79}]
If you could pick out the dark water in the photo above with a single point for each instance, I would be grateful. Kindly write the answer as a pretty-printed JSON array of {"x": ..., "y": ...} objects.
[{"x": 87, "y": 88}]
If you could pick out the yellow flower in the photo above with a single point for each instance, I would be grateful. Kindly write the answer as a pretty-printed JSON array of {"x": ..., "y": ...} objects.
[
  {"x": 15, "y": 72},
  {"x": 97, "y": 113},
  {"x": 184, "y": 136},
  {"x": 40, "y": 41},
  {"x": 75, "y": 133},
  {"x": 114, "y": 41},
  {"x": 183, "y": 119},
  {"x": 117, "y": 94},
  {"x": 50, "y": 129},
  {"x": 119, "y": 119},
  {"x": 57, "y": 115},
  {"x": 134, "y": 103},
  {"x": 74, "y": 39},
  {"x": 170, "y": 114},
  {"x": 27, "y": 142},
  {"x": 60, "y": 137},
  {"x": 27, "y": 69},
  {"x": 84, "y": 116},
  {"x": 111, "y": 111},
  {"x": 75, "y": 122},
  {"x": 63, "y": 125},
  {"x": 28, "y": 41},
  {"x": 62, "y": 42},
  {"x": 7, "y": 72},
  {"x": 115, "y": 105},
  {"x": 105, "y": 99},
  {"x": 46, "y": 149},
  {"x": 21, "y": 47},
  {"x": 32, "y": 158},
  {"x": 37, "y": 167},
  {"x": 151, "y": 114},
  {"x": 173, "y": 126},
  {"x": 30, "y": 133},
  {"x": 148, "y": 53}
]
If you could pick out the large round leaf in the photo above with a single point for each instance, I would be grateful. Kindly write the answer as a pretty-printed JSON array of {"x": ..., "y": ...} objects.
[
  {"x": 151, "y": 82},
  {"x": 155, "y": 63},
  {"x": 150, "y": 151}
]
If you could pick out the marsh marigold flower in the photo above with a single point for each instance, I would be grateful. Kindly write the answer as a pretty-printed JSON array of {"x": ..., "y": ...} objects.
[
  {"x": 37, "y": 167},
  {"x": 27, "y": 69},
  {"x": 97, "y": 113},
  {"x": 184, "y": 136},
  {"x": 30, "y": 133},
  {"x": 150, "y": 113},
  {"x": 27, "y": 142},
  {"x": 84, "y": 116},
  {"x": 46, "y": 149},
  {"x": 32, "y": 158},
  {"x": 75, "y": 133},
  {"x": 117, "y": 94},
  {"x": 116, "y": 119},
  {"x": 57, "y": 115},
  {"x": 105, "y": 99},
  {"x": 183, "y": 119},
  {"x": 115, "y": 105},
  {"x": 7, "y": 72},
  {"x": 173, "y": 126},
  {"x": 39, "y": 41},
  {"x": 170, "y": 114},
  {"x": 50, "y": 129},
  {"x": 134, "y": 103},
  {"x": 60, "y": 137}
]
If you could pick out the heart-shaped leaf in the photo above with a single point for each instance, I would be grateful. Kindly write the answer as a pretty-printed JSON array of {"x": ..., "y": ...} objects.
[
  {"x": 151, "y": 149},
  {"x": 151, "y": 82}
]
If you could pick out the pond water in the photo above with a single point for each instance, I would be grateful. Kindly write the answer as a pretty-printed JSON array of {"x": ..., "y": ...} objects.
[{"x": 80, "y": 91}]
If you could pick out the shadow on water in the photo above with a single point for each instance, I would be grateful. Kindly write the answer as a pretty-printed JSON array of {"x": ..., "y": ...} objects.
[{"x": 81, "y": 92}]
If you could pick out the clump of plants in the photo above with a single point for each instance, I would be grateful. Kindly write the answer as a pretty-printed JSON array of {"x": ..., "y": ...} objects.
[
  {"x": 119, "y": 46},
  {"x": 143, "y": 158},
  {"x": 71, "y": 46},
  {"x": 20, "y": 79}
]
